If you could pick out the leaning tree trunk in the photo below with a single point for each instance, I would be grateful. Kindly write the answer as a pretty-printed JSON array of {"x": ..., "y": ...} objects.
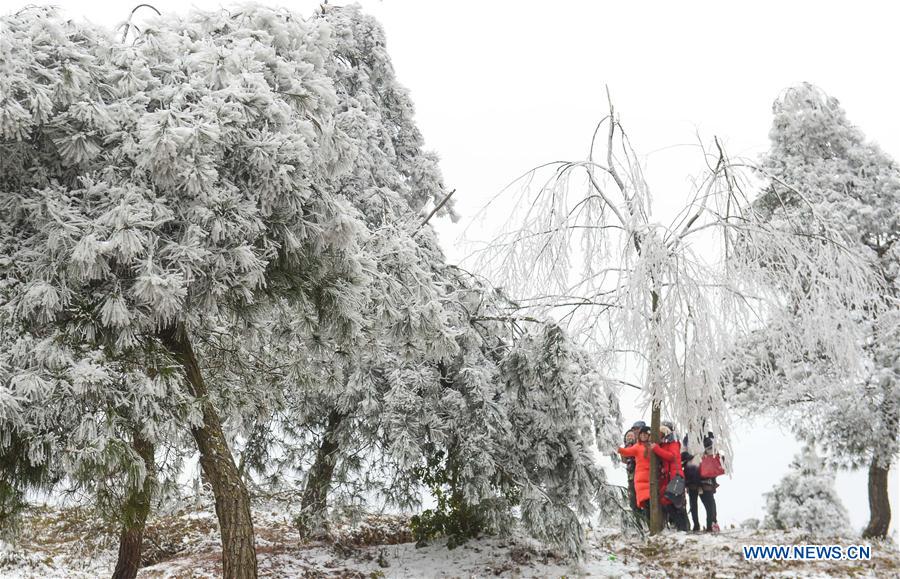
[
  {"x": 315, "y": 495},
  {"x": 137, "y": 508},
  {"x": 232, "y": 498},
  {"x": 879, "y": 503}
]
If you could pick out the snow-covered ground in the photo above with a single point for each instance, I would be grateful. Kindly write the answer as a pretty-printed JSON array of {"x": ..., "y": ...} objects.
[{"x": 70, "y": 543}]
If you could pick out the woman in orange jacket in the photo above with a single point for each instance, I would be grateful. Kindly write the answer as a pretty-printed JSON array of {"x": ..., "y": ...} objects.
[{"x": 640, "y": 452}]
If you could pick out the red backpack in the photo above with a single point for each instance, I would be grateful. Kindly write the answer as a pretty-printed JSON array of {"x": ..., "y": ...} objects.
[{"x": 711, "y": 466}]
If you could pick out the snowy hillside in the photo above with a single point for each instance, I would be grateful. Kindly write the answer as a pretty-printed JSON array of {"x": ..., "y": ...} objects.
[{"x": 70, "y": 543}]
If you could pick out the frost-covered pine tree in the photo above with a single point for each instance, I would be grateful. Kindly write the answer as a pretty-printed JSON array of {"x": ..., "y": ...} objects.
[
  {"x": 521, "y": 414},
  {"x": 805, "y": 499},
  {"x": 560, "y": 410},
  {"x": 418, "y": 380},
  {"x": 512, "y": 418},
  {"x": 400, "y": 320},
  {"x": 820, "y": 167},
  {"x": 87, "y": 423},
  {"x": 674, "y": 297},
  {"x": 220, "y": 224},
  {"x": 152, "y": 189}
]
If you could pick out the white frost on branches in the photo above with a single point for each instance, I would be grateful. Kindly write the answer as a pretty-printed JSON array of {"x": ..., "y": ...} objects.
[
  {"x": 820, "y": 168},
  {"x": 258, "y": 180},
  {"x": 581, "y": 245}
]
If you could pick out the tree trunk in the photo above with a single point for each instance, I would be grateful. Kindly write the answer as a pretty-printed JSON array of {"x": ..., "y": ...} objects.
[
  {"x": 656, "y": 519},
  {"x": 315, "y": 496},
  {"x": 232, "y": 498},
  {"x": 137, "y": 507},
  {"x": 879, "y": 503}
]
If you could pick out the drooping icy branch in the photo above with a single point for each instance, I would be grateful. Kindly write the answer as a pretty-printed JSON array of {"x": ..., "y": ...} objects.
[{"x": 583, "y": 237}]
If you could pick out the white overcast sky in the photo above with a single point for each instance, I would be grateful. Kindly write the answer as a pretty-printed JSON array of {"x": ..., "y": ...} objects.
[{"x": 501, "y": 87}]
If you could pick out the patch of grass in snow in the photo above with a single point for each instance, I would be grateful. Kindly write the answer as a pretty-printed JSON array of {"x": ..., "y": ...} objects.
[
  {"x": 60, "y": 531},
  {"x": 169, "y": 536}
]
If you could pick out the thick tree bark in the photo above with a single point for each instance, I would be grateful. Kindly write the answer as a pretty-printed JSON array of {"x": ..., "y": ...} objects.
[
  {"x": 137, "y": 507},
  {"x": 879, "y": 503},
  {"x": 315, "y": 495},
  {"x": 217, "y": 462},
  {"x": 879, "y": 471}
]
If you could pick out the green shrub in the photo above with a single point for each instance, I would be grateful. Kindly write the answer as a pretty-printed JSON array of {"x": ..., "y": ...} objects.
[{"x": 453, "y": 517}]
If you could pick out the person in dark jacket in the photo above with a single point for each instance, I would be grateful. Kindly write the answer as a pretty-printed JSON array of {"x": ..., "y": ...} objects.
[
  {"x": 704, "y": 488},
  {"x": 669, "y": 452},
  {"x": 708, "y": 487},
  {"x": 691, "y": 469}
]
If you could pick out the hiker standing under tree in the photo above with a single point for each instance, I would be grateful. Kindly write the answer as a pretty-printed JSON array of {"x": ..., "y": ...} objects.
[
  {"x": 640, "y": 452},
  {"x": 631, "y": 438},
  {"x": 669, "y": 452}
]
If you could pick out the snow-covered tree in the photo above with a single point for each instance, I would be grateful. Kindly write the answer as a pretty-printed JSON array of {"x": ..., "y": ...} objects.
[
  {"x": 805, "y": 499},
  {"x": 420, "y": 376},
  {"x": 560, "y": 409},
  {"x": 820, "y": 167},
  {"x": 219, "y": 228},
  {"x": 91, "y": 424},
  {"x": 152, "y": 189},
  {"x": 673, "y": 298},
  {"x": 390, "y": 179},
  {"x": 512, "y": 418}
]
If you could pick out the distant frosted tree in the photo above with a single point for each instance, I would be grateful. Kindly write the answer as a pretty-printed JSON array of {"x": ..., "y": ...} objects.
[
  {"x": 821, "y": 168},
  {"x": 805, "y": 499}
]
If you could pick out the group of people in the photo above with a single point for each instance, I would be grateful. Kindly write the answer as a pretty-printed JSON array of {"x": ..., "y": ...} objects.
[{"x": 680, "y": 473}]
